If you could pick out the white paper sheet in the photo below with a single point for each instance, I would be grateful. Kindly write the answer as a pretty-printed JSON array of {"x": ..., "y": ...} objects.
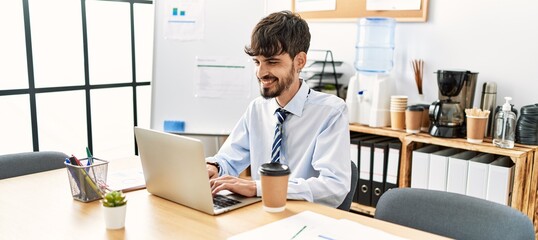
[
  {"x": 400, "y": 5},
  {"x": 126, "y": 179},
  {"x": 222, "y": 77},
  {"x": 184, "y": 19},
  {"x": 308, "y": 225},
  {"x": 314, "y": 5}
]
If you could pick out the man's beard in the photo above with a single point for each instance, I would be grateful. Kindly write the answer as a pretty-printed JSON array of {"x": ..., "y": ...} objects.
[{"x": 280, "y": 85}]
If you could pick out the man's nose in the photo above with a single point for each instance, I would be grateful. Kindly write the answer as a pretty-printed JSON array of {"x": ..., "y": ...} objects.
[{"x": 261, "y": 71}]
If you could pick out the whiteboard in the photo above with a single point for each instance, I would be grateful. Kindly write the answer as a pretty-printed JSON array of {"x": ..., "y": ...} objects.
[{"x": 177, "y": 75}]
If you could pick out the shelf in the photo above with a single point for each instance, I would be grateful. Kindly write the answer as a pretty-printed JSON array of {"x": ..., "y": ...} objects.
[
  {"x": 486, "y": 146},
  {"x": 381, "y": 131},
  {"x": 367, "y": 210},
  {"x": 389, "y": 132},
  {"x": 525, "y": 183},
  {"x": 521, "y": 155}
]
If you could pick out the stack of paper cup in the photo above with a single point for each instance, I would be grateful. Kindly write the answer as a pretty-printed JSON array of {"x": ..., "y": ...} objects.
[{"x": 398, "y": 104}]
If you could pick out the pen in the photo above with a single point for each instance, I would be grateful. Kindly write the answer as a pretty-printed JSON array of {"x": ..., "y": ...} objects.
[
  {"x": 325, "y": 237},
  {"x": 297, "y": 234},
  {"x": 90, "y": 157},
  {"x": 75, "y": 161}
]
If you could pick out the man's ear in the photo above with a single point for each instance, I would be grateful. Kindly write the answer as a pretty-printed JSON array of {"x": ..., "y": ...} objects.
[{"x": 300, "y": 61}]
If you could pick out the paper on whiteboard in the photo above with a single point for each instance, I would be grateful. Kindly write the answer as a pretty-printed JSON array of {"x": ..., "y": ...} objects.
[
  {"x": 222, "y": 77},
  {"x": 314, "y": 5},
  {"x": 398, "y": 5},
  {"x": 184, "y": 20}
]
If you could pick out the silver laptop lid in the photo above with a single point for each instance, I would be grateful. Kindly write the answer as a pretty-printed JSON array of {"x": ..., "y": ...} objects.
[{"x": 174, "y": 168}]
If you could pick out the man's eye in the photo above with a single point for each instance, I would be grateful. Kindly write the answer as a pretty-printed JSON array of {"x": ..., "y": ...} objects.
[{"x": 273, "y": 62}]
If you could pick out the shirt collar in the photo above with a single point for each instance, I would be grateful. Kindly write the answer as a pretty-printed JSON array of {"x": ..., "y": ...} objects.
[{"x": 296, "y": 104}]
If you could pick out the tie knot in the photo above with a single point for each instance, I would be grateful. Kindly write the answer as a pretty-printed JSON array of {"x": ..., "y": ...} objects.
[{"x": 281, "y": 114}]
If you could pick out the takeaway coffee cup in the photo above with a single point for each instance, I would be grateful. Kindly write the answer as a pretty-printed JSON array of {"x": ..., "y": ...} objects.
[
  {"x": 274, "y": 180},
  {"x": 476, "y": 127},
  {"x": 413, "y": 118},
  {"x": 425, "y": 126}
]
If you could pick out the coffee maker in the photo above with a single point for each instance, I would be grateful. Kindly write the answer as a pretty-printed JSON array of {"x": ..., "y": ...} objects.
[{"x": 456, "y": 93}]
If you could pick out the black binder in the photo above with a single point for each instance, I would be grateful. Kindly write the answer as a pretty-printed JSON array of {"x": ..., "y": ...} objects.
[
  {"x": 379, "y": 169},
  {"x": 364, "y": 187},
  {"x": 355, "y": 143},
  {"x": 393, "y": 162}
]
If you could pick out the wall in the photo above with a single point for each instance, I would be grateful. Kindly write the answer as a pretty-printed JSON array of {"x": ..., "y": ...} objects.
[{"x": 495, "y": 38}]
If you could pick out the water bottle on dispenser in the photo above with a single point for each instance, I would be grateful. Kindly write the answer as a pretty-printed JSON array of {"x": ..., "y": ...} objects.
[
  {"x": 374, "y": 61},
  {"x": 375, "y": 45}
]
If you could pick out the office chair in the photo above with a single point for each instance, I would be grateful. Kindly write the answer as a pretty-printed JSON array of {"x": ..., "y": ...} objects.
[
  {"x": 453, "y": 215},
  {"x": 17, "y": 164},
  {"x": 346, "y": 205}
]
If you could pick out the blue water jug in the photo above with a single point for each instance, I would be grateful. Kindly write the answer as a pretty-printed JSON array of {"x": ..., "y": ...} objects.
[{"x": 375, "y": 45}]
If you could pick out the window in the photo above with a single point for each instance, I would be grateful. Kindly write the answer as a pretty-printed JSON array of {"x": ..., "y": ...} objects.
[{"x": 75, "y": 74}]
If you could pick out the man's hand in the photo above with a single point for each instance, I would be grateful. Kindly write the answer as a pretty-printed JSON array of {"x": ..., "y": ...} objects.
[
  {"x": 237, "y": 185},
  {"x": 212, "y": 171}
]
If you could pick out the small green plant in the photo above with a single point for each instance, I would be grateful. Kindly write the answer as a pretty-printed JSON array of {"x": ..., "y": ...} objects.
[{"x": 114, "y": 199}]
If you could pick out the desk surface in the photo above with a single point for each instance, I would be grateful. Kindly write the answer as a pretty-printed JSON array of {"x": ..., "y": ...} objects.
[{"x": 41, "y": 206}]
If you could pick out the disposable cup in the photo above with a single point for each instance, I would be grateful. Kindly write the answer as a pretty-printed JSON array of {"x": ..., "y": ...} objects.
[
  {"x": 425, "y": 123},
  {"x": 274, "y": 181},
  {"x": 397, "y": 120},
  {"x": 413, "y": 119},
  {"x": 476, "y": 126}
]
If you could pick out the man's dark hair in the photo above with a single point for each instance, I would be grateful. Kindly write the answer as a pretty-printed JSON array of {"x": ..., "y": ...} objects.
[{"x": 280, "y": 32}]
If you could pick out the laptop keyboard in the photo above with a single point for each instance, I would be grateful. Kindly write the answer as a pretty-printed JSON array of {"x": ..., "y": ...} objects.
[{"x": 221, "y": 201}]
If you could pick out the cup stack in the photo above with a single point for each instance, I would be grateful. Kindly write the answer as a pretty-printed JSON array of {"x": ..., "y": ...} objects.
[{"x": 398, "y": 104}]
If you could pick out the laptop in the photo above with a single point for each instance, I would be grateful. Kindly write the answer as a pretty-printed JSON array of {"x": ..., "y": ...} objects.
[{"x": 174, "y": 169}]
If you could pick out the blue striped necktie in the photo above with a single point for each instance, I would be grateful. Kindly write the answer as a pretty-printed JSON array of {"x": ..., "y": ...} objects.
[{"x": 277, "y": 142}]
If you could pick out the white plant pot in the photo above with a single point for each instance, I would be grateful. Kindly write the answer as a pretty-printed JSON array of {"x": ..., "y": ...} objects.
[{"x": 115, "y": 216}]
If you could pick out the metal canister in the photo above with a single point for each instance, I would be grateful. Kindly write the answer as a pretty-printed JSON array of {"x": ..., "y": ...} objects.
[{"x": 488, "y": 101}]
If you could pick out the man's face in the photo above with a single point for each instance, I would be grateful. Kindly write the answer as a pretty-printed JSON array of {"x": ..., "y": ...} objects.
[{"x": 275, "y": 74}]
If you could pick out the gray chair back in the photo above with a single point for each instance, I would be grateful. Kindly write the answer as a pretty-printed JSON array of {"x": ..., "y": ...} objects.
[
  {"x": 453, "y": 215},
  {"x": 17, "y": 164},
  {"x": 346, "y": 204}
]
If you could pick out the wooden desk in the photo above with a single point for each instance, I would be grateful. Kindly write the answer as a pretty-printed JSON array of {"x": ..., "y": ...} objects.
[{"x": 40, "y": 206}]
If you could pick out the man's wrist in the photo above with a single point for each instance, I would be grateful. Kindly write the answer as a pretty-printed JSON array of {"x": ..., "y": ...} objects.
[{"x": 215, "y": 164}]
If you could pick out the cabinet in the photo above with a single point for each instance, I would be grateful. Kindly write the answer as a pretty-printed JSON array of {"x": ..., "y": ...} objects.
[{"x": 525, "y": 184}]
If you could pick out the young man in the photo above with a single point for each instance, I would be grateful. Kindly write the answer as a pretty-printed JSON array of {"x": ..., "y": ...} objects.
[{"x": 315, "y": 133}]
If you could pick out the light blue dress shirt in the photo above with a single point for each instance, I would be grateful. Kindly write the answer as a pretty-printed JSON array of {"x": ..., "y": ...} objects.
[{"x": 315, "y": 145}]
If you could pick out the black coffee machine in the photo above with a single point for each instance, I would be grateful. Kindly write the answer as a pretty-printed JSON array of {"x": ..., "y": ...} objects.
[{"x": 456, "y": 93}]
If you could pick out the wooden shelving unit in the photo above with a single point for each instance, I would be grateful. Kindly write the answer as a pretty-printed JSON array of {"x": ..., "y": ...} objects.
[
  {"x": 525, "y": 185},
  {"x": 521, "y": 156},
  {"x": 367, "y": 210},
  {"x": 387, "y": 132}
]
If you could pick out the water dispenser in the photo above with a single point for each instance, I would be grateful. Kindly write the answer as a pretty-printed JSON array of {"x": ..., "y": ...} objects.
[{"x": 374, "y": 62}]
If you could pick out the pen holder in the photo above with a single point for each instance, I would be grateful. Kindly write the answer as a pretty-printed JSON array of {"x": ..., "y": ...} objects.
[{"x": 87, "y": 182}]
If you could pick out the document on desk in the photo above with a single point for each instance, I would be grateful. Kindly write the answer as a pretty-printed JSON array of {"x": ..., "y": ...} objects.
[
  {"x": 126, "y": 180},
  {"x": 310, "y": 225}
]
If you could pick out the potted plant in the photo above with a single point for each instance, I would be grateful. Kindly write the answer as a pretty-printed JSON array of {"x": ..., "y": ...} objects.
[{"x": 114, "y": 207}]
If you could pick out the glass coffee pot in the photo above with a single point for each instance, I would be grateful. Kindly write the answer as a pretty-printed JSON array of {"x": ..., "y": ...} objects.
[
  {"x": 447, "y": 113},
  {"x": 456, "y": 91}
]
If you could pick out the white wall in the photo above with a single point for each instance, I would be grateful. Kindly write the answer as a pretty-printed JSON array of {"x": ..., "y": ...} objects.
[{"x": 497, "y": 38}]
